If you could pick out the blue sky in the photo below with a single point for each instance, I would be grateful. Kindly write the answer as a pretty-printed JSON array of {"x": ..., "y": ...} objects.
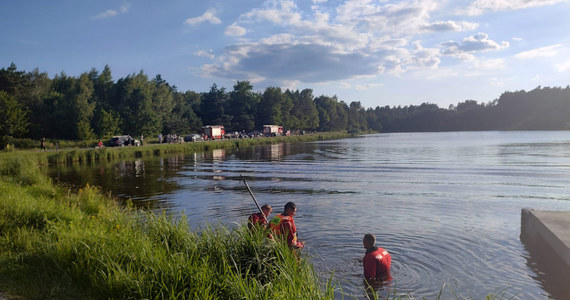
[{"x": 377, "y": 52}]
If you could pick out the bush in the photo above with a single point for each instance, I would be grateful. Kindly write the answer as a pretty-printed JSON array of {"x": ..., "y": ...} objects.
[
  {"x": 70, "y": 246},
  {"x": 21, "y": 170}
]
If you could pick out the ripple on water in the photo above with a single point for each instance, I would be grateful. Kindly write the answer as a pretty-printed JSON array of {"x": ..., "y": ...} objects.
[{"x": 445, "y": 205}]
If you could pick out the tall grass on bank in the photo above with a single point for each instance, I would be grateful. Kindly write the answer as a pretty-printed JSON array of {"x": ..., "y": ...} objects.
[
  {"x": 60, "y": 245},
  {"x": 88, "y": 155},
  {"x": 83, "y": 246}
]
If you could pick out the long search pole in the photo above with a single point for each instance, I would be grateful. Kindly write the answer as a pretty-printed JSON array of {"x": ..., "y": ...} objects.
[{"x": 253, "y": 197}]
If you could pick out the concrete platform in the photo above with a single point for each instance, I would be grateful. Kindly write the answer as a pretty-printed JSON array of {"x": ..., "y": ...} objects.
[{"x": 546, "y": 236}]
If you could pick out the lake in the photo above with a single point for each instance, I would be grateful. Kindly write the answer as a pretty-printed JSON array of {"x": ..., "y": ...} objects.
[{"x": 447, "y": 206}]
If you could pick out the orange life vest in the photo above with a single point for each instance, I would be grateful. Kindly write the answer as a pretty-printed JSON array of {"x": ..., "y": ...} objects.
[{"x": 278, "y": 220}]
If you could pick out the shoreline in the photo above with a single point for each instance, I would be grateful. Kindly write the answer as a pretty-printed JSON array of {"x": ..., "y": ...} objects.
[
  {"x": 66, "y": 244},
  {"x": 87, "y": 155},
  {"x": 59, "y": 244}
]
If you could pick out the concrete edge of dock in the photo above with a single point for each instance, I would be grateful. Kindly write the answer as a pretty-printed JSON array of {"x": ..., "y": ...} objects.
[
  {"x": 546, "y": 237},
  {"x": 549, "y": 229}
]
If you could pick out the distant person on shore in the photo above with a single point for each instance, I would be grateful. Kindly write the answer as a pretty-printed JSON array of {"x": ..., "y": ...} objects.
[
  {"x": 43, "y": 144},
  {"x": 160, "y": 138},
  {"x": 258, "y": 219},
  {"x": 100, "y": 144},
  {"x": 377, "y": 261},
  {"x": 284, "y": 226}
]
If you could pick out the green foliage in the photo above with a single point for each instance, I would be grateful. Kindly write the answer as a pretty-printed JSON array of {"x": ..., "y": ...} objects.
[
  {"x": 183, "y": 118},
  {"x": 13, "y": 81},
  {"x": 213, "y": 106},
  {"x": 242, "y": 106},
  {"x": 74, "y": 155},
  {"x": 333, "y": 115},
  {"x": 19, "y": 169},
  {"x": 356, "y": 118},
  {"x": 106, "y": 123},
  {"x": 70, "y": 246},
  {"x": 274, "y": 108},
  {"x": 135, "y": 105},
  {"x": 304, "y": 115},
  {"x": 71, "y": 105},
  {"x": 55, "y": 244},
  {"x": 92, "y": 104},
  {"x": 84, "y": 131},
  {"x": 13, "y": 119}
]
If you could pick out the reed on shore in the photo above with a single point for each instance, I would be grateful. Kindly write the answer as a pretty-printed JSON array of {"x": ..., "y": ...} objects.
[
  {"x": 60, "y": 245},
  {"x": 92, "y": 154}
]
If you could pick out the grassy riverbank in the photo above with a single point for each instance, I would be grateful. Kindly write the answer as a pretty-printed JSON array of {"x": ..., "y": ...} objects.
[
  {"x": 82, "y": 155},
  {"x": 56, "y": 245}
]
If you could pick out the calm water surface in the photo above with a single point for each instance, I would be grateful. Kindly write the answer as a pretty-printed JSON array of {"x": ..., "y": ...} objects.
[{"x": 446, "y": 205}]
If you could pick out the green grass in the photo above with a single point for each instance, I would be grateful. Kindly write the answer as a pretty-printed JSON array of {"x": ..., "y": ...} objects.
[
  {"x": 55, "y": 244},
  {"x": 60, "y": 245},
  {"x": 91, "y": 154}
]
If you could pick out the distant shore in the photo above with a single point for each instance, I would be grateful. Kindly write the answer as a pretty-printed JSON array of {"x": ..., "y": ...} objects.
[{"x": 71, "y": 155}]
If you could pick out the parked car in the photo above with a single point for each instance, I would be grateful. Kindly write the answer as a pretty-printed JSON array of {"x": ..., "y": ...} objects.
[
  {"x": 231, "y": 135},
  {"x": 193, "y": 138},
  {"x": 123, "y": 140}
]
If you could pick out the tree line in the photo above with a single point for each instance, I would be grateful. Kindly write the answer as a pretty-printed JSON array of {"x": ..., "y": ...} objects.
[{"x": 93, "y": 105}]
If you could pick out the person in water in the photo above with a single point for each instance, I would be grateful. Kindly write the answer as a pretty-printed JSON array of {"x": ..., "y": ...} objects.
[
  {"x": 284, "y": 226},
  {"x": 376, "y": 261},
  {"x": 260, "y": 219}
]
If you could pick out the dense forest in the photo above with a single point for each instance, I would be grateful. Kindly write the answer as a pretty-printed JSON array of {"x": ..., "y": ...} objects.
[{"x": 93, "y": 105}]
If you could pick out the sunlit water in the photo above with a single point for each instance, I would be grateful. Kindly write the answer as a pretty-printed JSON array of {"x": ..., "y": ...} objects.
[{"x": 445, "y": 205}]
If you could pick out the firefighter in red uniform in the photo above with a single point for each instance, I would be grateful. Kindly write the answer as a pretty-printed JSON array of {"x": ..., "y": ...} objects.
[
  {"x": 284, "y": 226},
  {"x": 259, "y": 219},
  {"x": 376, "y": 261}
]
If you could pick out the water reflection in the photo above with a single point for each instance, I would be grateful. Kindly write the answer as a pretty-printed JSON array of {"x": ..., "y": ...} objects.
[
  {"x": 148, "y": 182},
  {"x": 378, "y": 288},
  {"x": 145, "y": 182},
  {"x": 445, "y": 205},
  {"x": 216, "y": 155},
  {"x": 544, "y": 262}
]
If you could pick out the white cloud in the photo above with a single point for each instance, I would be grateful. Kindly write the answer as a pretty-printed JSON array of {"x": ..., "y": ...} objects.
[
  {"x": 450, "y": 26},
  {"x": 281, "y": 62},
  {"x": 547, "y": 51},
  {"x": 474, "y": 43},
  {"x": 401, "y": 18},
  {"x": 489, "y": 64},
  {"x": 289, "y": 84},
  {"x": 208, "y": 16},
  {"x": 362, "y": 87},
  {"x": 204, "y": 53},
  {"x": 517, "y": 39},
  {"x": 279, "y": 12},
  {"x": 125, "y": 8},
  {"x": 495, "y": 81},
  {"x": 423, "y": 58},
  {"x": 325, "y": 47},
  {"x": 443, "y": 73},
  {"x": 481, "y": 6},
  {"x": 319, "y": 1},
  {"x": 112, "y": 12},
  {"x": 235, "y": 30},
  {"x": 563, "y": 67},
  {"x": 106, "y": 14},
  {"x": 358, "y": 39},
  {"x": 283, "y": 38}
]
